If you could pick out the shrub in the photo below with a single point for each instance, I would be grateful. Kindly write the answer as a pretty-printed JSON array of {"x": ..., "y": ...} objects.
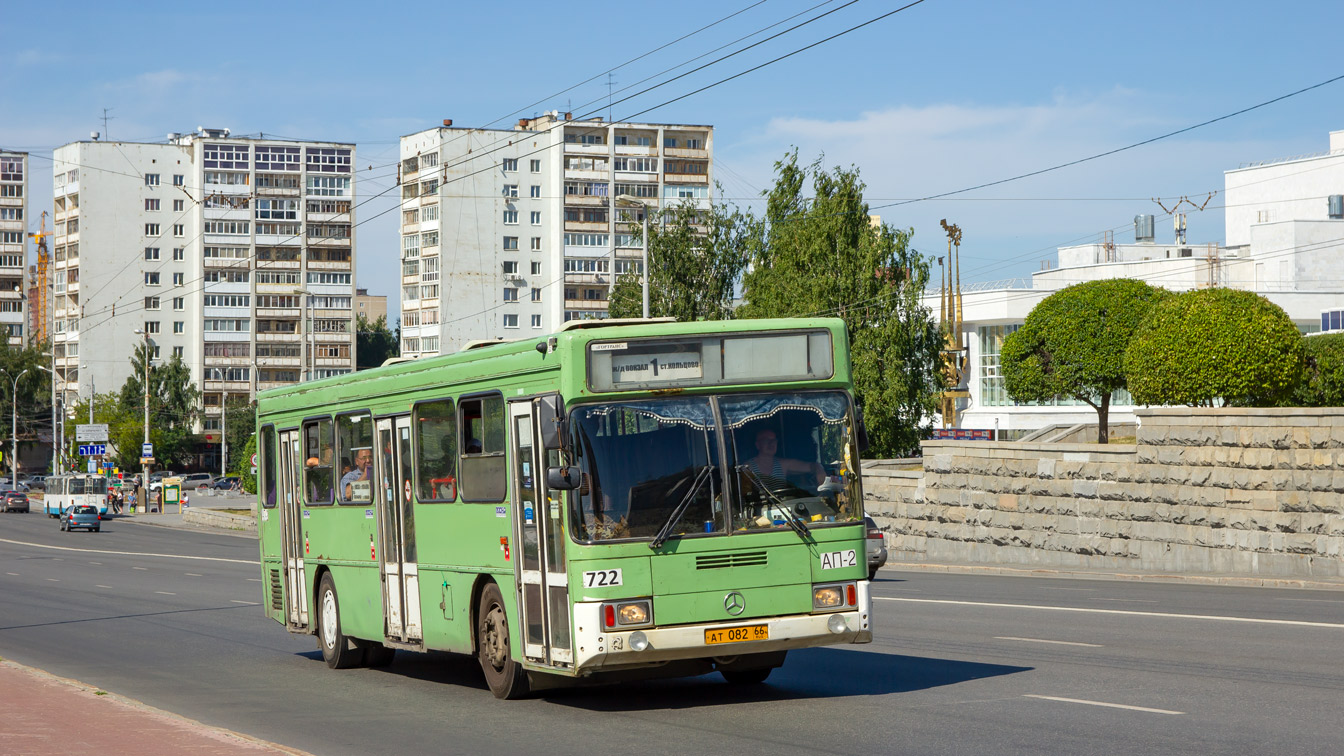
[{"x": 1322, "y": 383}]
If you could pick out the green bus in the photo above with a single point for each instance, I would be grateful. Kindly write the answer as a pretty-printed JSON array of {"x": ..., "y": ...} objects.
[{"x": 619, "y": 499}]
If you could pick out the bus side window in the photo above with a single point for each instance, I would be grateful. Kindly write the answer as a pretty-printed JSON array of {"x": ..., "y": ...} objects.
[
  {"x": 318, "y": 472},
  {"x": 354, "y": 439},
  {"x": 482, "y": 443},
  {"x": 435, "y": 451},
  {"x": 267, "y": 440}
]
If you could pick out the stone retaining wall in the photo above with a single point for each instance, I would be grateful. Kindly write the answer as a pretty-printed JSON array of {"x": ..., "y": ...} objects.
[
  {"x": 217, "y": 519},
  {"x": 1242, "y": 491}
]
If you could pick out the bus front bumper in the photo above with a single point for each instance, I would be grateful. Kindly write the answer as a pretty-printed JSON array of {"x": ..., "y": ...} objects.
[{"x": 596, "y": 649}]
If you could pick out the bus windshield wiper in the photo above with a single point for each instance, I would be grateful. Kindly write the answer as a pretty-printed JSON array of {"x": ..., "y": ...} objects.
[
  {"x": 790, "y": 517},
  {"x": 666, "y": 531}
]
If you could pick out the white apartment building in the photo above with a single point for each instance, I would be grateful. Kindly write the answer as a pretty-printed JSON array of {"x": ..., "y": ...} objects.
[
  {"x": 1284, "y": 229},
  {"x": 511, "y": 232},
  {"x": 235, "y": 254},
  {"x": 13, "y": 245}
]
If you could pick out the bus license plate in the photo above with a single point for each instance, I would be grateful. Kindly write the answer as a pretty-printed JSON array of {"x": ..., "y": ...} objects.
[{"x": 737, "y": 634}]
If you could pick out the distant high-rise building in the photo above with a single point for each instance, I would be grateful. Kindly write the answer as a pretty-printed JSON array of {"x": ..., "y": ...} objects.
[
  {"x": 13, "y": 245},
  {"x": 234, "y": 254},
  {"x": 371, "y": 306},
  {"x": 511, "y": 232}
]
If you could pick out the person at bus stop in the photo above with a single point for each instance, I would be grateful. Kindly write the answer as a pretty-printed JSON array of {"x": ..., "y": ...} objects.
[
  {"x": 363, "y": 458},
  {"x": 767, "y": 465}
]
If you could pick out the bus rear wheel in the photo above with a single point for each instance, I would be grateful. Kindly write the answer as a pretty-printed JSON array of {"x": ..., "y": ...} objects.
[
  {"x": 505, "y": 676},
  {"x": 337, "y": 650}
]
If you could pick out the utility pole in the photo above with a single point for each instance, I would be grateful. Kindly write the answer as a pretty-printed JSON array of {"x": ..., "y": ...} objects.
[{"x": 224, "y": 437}]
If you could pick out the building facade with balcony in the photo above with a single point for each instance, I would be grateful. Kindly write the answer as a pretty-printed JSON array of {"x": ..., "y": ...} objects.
[
  {"x": 1284, "y": 240},
  {"x": 13, "y": 246},
  {"x": 235, "y": 254},
  {"x": 508, "y": 233}
]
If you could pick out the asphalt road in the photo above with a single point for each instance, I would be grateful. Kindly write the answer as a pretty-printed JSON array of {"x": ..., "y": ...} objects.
[{"x": 961, "y": 664}]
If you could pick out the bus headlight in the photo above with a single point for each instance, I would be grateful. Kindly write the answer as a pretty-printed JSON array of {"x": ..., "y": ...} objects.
[
  {"x": 618, "y": 614},
  {"x": 827, "y": 597}
]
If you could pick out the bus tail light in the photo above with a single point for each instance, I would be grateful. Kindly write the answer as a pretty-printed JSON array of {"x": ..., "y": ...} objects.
[
  {"x": 852, "y": 594},
  {"x": 609, "y": 615}
]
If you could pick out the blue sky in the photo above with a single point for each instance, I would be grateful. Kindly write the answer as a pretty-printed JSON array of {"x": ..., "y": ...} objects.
[{"x": 944, "y": 95}]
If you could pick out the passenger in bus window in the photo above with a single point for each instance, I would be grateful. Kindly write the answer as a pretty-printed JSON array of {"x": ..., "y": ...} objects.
[
  {"x": 363, "y": 458},
  {"x": 767, "y": 465}
]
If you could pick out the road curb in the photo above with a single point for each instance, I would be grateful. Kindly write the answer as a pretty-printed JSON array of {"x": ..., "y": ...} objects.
[
  {"x": 1242, "y": 581},
  {"x": 79, "y": 688}
]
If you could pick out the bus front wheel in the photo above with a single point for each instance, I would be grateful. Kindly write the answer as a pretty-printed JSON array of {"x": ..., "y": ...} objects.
[
  {"x": 505, "y": 676},
  {"x": 337, "y": 650}
]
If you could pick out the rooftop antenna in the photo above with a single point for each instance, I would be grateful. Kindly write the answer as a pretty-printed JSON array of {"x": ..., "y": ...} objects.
[
  {"x": 107, "y": 118},
  {"x": 611, "y": 81}
]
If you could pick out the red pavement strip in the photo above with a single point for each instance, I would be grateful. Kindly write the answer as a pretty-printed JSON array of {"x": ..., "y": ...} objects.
[{"x": 53, "y": 716}]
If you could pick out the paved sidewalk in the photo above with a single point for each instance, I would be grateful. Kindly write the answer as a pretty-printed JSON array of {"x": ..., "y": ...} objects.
[
  {"x": 52, "y": 716},
  {"x": 915, "y": 563}
]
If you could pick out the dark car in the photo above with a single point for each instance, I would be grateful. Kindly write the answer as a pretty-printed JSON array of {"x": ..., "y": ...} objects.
[
  {"x": 81, "y": 516},
  {"x": 226, "y": 483},
  {"x": 14, "y": 501}
]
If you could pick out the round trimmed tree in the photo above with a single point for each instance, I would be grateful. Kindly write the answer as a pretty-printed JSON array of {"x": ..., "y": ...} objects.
[
  {"x": 1209, "y": 345},
  {"x": 1073, "y": 344},
  {"x": 1322, "y": 383}
]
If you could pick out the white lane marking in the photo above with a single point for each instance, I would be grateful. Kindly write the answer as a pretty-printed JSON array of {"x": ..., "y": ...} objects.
[
  {"x": 15, "y": 574},
  {"x": 1127, "y": 612},
  {"x": 254, "y": 580},
  {"x": 1049, "y": 588},
  {"x": 245, "y": 603},
  {"x": 52, "y": 580},
  {"x": 1128, "y": 601},
  {"x": 1043, "y": 640},
  {"x": 191, "y": 574},
  {"x": 1103, "y": 703},
  {"x": 1314, "y": 601},
  {"x": 128, "y": 553},
  {"x": 100, "y": 564},
  {"x": 165, "y": 593},
  {"x": 103, "y": 586},
  {"x": 140, "y": 568}
]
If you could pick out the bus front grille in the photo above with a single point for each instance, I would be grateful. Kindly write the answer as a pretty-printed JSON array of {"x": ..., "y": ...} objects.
[
  {"x": 277, "y": 602},
  {"x": 739, "y": 559}
]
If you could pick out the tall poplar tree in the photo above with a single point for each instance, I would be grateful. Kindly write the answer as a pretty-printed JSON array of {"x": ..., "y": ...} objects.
[{"x": 824, "y": 256}]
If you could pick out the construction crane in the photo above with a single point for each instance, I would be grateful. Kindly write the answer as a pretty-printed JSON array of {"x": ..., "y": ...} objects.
[{"x": 43, "y": 304}]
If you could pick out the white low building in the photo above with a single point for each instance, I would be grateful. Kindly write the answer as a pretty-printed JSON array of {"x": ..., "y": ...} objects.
[{"x": 1285, "y": 241}]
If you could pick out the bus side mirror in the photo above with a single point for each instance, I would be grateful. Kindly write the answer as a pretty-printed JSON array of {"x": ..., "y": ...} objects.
[
  {"x": 551, "y": 418},
  {"x": 862, "y": 430},
  {"x": 563, "y": 478}
]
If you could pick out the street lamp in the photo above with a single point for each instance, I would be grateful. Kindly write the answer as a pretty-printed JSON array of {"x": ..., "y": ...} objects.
[
  {"x": 304, "y": 351},
  {"x": 14, "y": 426},
  {"x": 628, "y": 201},
  {"x": 144, "y": 466}
]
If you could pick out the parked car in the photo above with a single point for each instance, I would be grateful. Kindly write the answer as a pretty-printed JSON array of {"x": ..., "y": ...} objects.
[
  {"x": 81, "y": 516},
  {"x": 37, "y": 481},
  {"x": 226, "y": 483},
  {"x": 193, "y": 481},
  {"x": 876, "y": 547},
  {"x": 5, "y": 485},
  {"x": 15, "y": 501}
]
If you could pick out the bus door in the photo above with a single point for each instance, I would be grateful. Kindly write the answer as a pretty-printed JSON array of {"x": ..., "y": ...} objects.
[
  {"x": 291, "y": 528},
  {"x": 396, "y": 525},
  {"x": 539, "y": 533}
]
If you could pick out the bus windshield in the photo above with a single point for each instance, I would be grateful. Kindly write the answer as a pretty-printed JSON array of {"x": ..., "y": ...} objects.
[{"x": 790, "y": 459}]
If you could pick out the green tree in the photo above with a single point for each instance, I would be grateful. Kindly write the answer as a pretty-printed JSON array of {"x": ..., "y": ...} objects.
[
  {"x": 174, "y": 406},
  {"x": 374, "y": 342},
  {"x": 245, "y": 475},
  {"x": 239, "y": 426},
  {"x": 823, "y": 256},
  {"x": 1322, "y": 383},
  {"x": 1209, "y": 345},
  {"x": 696, "y": 256},
  {"x": 1073, "y": 345},
  {"x": 30, "y": 406}
]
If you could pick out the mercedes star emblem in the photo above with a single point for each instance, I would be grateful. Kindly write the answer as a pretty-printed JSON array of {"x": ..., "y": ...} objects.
[{"x": 735, "y": 603}]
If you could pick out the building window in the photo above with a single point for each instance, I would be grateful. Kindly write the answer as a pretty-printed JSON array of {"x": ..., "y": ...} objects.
[
  {"x": 151, "y": 204},
  {"x": 536, "y": 244},
  {"x": 152, "y": 279},
  {"x": 179, "y": 326},
  {"x": 536, "y": 321},
  {"x": 179, "y": 230},
  {"x": 510, "y": 243},
  {"x": 510, "y": 294},
  {"x": 510, "y": 217},
  {"x": 178, "y": 278},
  {"x": 535, "y": 191},
  {"x": 511, "y": 191},
  {"x": 179, "y": 180},
  {"x": 511, "y": 320},
  {"x": 536, "y": 268},
  {"x": 178, "y": 206},
  {"x": 179, "y": 304},
  {"x": 510, "y": 267},
  {"x": 510, "y": 164},
  {"x": 151, "y": 229},
  {"x": 151, "y": 179},
  {"x": 536, "y": 294},
  {"x": 535, "y": 165},
  {"x": 536, "y": 217},
  {"x": 695, "y": 144},
  {"x": 151, "y": 303},
  {"x": 151, "y": 253},
  {"x": 179, "y": 253},
  {"x": 179, "y": 352},
  {"x": 151, "y": 326}
]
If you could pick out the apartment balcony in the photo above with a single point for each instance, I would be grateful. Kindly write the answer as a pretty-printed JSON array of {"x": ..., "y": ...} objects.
[
  {"x": 240, "y": 387},
  {"x": 333, "y": 338},
  {"x": 275, "y": 337},
  {"x": 574, "y": 148},
  {"x": 7, "y": 293},
  {"x": 414, "y": 278},
  {"x": 686, "y": 178},
  {"x": 341, "y": 265},
  {"x": 338, "y": 362},
  {"x": 70, "y": 188},
  {"x": 277, "y": 265},
  {"x": 11, "y": 201},
  {"x": 16, "y": 341},
  {"x": 275, "y": 191},
  {"x": 588, "y": 201},
  {"x": 682, "y": 152},
  {"x": 230, "y": 189},
  {"x": 328, "y": 241},
  {"x": 635, "y": 150},
  {"x": 232, "y": 263},
  {"x": 592, "y": 305},
  {"x": 637, "y": 177},
  {"x": 581, "y": 174},
  {"x": 600, "y": 228},
  {"x": 327, "y": 217},
  {"x": 410, "y": 228},
  {"x": 286, "y": 313},
  {"x": 587, "y": 278},
  {"x": 278, "y": 362},
  {"x": 213, "y": 410},
  {"x": 263, "y": 385},
  {"x": 213, "y": 361}
]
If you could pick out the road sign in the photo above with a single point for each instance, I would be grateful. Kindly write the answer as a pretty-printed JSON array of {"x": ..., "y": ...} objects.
[
  {"x": 95, "y": 433},
  {"x": 254, "y": 460},
  {"x": 92, "y": 450},
  {"x": 147, "y": 450},
  {"x": 93, "y": 466},
  {"x": 146, "y": 460}
]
